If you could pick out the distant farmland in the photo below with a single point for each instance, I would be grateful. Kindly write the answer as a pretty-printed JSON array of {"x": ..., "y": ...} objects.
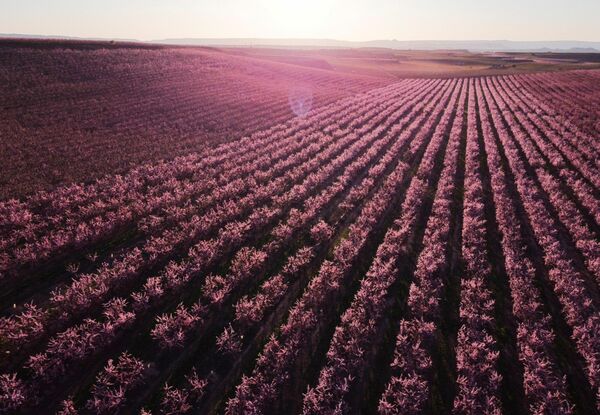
[{"x": 269, "y": 238}]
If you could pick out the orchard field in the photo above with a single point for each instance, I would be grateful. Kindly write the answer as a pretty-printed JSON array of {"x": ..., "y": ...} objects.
[
  {"x": 75, "y": 111},
  {"x": 392, "y": 246}
]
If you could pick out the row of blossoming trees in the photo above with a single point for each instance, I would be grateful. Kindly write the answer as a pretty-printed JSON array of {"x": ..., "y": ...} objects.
[{"x": 431, "y": 245}]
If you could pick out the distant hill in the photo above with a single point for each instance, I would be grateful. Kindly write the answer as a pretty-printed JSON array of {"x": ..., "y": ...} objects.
[
  {"x": 472, "y": 45},
  {"x": 560, "y": 46},
  {"x": 57, "y": 37}
]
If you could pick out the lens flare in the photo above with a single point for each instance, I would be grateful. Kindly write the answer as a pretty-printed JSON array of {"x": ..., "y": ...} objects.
[{"x": 300, "y": 100}]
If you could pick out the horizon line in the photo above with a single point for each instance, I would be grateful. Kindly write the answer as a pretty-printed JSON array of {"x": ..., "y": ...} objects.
[{"x": 66, "y": 37}]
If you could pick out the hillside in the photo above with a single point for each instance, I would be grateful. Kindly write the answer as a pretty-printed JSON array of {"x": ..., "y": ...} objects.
[{"x": 76, "y": 110}]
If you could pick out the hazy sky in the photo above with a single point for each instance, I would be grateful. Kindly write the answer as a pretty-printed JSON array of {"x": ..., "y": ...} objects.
[{"x": 334, "y": 19}]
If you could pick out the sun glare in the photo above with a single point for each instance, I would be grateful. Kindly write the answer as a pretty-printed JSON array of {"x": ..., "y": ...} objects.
[{"x": 292, "y": 18}]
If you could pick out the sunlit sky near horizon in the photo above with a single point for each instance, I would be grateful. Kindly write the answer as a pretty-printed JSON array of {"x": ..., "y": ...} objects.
[{"x": 331, "y": 19}]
